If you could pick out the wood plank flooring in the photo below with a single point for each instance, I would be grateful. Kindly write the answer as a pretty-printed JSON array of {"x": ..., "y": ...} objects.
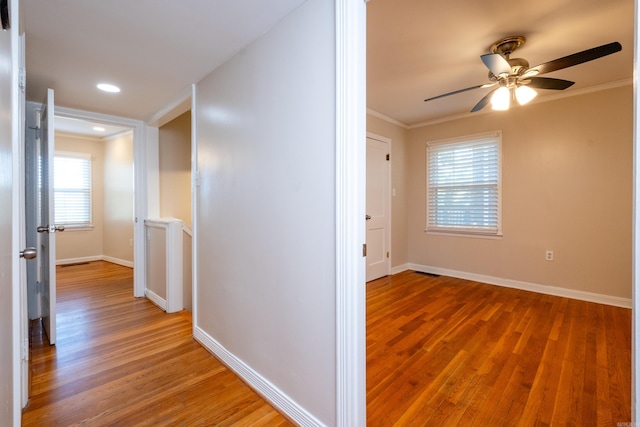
[
  {"x": 121, "y": 361},
  {"x": 440, "y": 352},
  {"x": 449, "y": 352}
]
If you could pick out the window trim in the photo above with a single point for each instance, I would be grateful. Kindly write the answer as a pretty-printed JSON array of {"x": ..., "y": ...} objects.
[
  {"x": 78, "y": 226},
  {"x": 462, "y": 232}
]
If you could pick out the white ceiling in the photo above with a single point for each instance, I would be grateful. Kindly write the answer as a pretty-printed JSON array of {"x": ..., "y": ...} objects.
[
  {"x": 417, "y": 49},
  {"x": 154, "y": 49}
]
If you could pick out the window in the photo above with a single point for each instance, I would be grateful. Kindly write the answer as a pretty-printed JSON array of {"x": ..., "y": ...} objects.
[
  {"x": 464, "y": 185},
  {"x": 72, "y": 189}
]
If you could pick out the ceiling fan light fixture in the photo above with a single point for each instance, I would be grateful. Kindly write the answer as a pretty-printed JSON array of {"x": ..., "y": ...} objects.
[
  {"x": 501, "y": 99},
  {"x": 525, "y": 94},
  {"x": 517, "y": 81}
]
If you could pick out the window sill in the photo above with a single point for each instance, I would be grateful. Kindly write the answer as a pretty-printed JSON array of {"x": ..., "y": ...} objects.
[{"x": 497, "y": 236}]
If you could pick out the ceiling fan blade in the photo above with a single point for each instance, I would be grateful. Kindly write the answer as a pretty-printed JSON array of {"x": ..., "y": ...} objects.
[
  {"x": 549, "y": 83},
  {"x": 578, "y": 58},
  {"x": 496, "y": 64},
  {"x": 484, "y": 101},
  {"x": 454, "y": 92}
]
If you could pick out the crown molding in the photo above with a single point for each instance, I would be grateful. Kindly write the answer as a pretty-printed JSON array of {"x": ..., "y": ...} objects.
[
  {"x": 177, "y": 107},
  {"x": 387, "y": 118},
  {"x": 559, "y": 95}
]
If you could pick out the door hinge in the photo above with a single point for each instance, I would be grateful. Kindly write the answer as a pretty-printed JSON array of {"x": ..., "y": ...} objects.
[
  {"x": 388, "y": 157},
  {"x": 25, "y": 349},
  {"x": 22, "y": 79},
  {"x": 387, "y": 254},
  {"x": 364, "y": 249}
]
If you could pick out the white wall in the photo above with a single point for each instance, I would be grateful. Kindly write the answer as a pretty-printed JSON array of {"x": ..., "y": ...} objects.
[
  {"x": 118, "y": 199},
  {"x": 266, "y": 208}
]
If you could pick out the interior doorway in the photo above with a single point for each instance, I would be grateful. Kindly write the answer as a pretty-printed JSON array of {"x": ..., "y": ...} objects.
[
  {"x": 137, "y": 208},
  {"x": 88, "y": 175},
  {"x": 175, "y": 156},
  {"x": 92, "y": 138},
  {"x": 110, "y": 234}
]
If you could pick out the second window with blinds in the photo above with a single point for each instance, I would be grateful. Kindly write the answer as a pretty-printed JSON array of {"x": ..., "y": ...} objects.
[
  {"x": 72, "y": 189},
  {"x": 464, "y": 185}
]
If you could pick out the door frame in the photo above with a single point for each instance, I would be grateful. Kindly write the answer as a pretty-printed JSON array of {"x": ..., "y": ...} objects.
[
  {"x": 186, "y": 101},
  {"x": 635, "y": 293},
  {"x": 18, "y": 266},
  {"x": 351, "y": 399},
  {"x": 141, "y": 191},
  {"x": 23, "y": 320},
  {"x": 389, "y": 198}
]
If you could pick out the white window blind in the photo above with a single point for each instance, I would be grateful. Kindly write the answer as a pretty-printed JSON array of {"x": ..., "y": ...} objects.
[
  {"x": 464, "y": 184},
  {"x": 72, "y": 189}
]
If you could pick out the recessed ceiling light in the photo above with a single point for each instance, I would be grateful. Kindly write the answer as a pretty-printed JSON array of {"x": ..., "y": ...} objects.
[
  {"x": 108, "y": 87},
  {"x": 99, "y": 129}
]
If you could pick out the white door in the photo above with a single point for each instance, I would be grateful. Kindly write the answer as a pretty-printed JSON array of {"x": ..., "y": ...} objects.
[
  {"x": 40, "y": 227},
  {"x": 378, "y": 209},
  {"x": 8, "y": 243},
  {"x": 29, "y": 252}
]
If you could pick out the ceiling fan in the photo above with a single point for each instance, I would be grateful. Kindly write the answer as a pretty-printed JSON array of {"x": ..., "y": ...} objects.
[{"x": 516, "y": 80}]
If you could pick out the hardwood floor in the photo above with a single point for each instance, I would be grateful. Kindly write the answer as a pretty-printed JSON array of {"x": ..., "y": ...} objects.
[
  {"x": 449, "y": 352},
  {"x": 440, "y": 352},
  {"x": 121, "y": 361}
]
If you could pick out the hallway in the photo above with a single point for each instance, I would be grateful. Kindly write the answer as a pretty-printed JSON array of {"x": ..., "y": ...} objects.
[{"x": 121, "y": 360}]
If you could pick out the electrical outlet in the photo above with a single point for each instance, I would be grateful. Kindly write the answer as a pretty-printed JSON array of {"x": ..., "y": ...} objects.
[{"x": 548, "y": 255}]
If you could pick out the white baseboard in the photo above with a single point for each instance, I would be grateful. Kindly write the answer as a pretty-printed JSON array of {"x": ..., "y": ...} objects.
[
  {"x": 118, "y": 261},
  {"x": 78, "y": 260},
  {"x": 156, "y": 299},
  {"x": 261, "y": 385},
  {"x": 399, "y": 268},
  {"x": 526, "y": 286}
]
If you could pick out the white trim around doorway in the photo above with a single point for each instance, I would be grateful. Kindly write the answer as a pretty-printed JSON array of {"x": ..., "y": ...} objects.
[
  {"x": 140, "y": 184},
  {"x": 350, "y": 212}
]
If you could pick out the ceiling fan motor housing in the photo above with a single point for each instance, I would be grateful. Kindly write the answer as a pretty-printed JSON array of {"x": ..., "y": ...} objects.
[
  {"x": 507, "y": 45},
  {"x": 518, "y": 67}
]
